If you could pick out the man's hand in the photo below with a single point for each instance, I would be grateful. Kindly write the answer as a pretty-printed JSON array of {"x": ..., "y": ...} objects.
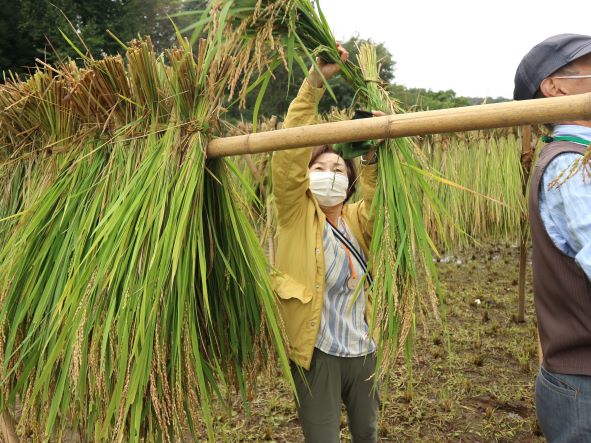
[{"x": 327, "y": 70}]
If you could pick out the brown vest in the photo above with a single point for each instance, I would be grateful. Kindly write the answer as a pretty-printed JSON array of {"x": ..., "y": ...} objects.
[{"x": 562, "y": 290}]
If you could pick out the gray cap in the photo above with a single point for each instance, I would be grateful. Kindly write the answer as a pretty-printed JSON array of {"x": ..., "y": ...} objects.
[{"x": 545, "y": 58}]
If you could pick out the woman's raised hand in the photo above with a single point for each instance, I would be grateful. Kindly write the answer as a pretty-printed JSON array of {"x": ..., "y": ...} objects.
[{"x": 327, "y": 70}]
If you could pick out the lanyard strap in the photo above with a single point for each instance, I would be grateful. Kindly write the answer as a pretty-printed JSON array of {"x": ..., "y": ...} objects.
[
  {"x": 350, "y": 247},
  {"x": 566, "y": 138}
]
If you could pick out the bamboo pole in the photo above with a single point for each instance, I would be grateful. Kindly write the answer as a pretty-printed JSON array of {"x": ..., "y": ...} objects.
[
  {"x": 497, "y": 115},
  {"x": 526, "y": 160}
]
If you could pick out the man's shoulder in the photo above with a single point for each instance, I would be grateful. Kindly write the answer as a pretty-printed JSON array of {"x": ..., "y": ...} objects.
[
  {"x": 563, "y": 160},
  {"x": 557, "y": 157}
]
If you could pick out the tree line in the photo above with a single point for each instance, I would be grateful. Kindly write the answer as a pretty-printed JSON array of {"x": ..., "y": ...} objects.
[
  {"x": 33, "y": 30},
  {"x": 40, "y": 29}
]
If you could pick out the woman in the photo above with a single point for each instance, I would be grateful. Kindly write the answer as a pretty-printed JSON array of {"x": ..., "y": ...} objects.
[{"x": 322, "y": 304}]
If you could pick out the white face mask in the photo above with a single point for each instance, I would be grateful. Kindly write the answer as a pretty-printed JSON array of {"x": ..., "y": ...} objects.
[{"x": 329, "y": 188}]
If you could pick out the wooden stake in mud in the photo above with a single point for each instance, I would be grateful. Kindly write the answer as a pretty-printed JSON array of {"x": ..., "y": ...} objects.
[
  {"x": 526, "y": 161},
  {"x": 469, "y": 118}
]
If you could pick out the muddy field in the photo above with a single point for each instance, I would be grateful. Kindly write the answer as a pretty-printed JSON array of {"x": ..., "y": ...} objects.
[{"x": 479, "y": 389}]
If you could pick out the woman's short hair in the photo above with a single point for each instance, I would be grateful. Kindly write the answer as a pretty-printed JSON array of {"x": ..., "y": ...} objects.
[{"x": 350, "y": 165}]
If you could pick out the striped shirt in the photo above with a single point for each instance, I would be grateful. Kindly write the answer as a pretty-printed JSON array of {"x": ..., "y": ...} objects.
[
  {"x": 566, "y": 210},
  {"x": 343, "y": 329}
]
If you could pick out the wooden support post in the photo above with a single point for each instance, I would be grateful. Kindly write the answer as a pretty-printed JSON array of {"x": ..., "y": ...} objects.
[
  {"x": 8, "y": 427},
  {"x": 526, "y": 161},
  {"x": 268, "y": 197}
]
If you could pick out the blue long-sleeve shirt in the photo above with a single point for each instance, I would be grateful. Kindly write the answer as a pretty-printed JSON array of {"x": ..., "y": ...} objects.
[{"x": 566, "y": 210}]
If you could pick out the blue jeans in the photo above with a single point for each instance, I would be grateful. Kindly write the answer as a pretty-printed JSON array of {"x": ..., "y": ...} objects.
[{"x": 563, "y": 406}]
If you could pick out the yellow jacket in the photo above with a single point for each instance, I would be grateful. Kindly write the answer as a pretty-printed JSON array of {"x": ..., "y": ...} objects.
[{"x": 299, "y": 254}]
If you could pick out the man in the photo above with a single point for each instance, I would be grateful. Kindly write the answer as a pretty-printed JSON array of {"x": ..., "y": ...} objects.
[{"x": 560, "y": 218}]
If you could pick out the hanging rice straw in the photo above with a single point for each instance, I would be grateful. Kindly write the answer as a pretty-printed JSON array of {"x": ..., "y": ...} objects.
[
  {"x": 132, "y": 287},
  {"x": 486, "y": 201},
  {"x": 401, "y": 252}
]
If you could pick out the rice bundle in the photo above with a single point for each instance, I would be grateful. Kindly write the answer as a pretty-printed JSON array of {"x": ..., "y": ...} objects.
[
  {"x": 488, "y": 164},
  {"x": 132, "y": 287},
  {"x": 401, "y": 251}
]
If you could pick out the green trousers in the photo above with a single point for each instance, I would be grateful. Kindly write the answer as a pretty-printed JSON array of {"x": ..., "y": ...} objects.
[{"x": 330, "y": 381}]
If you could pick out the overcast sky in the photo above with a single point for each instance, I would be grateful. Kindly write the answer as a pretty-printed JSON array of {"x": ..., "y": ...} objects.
[{"x": 472, "y": 47}]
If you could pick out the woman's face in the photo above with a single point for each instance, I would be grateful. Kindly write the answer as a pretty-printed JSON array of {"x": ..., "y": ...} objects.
[{"x": 329, "y": 162}]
